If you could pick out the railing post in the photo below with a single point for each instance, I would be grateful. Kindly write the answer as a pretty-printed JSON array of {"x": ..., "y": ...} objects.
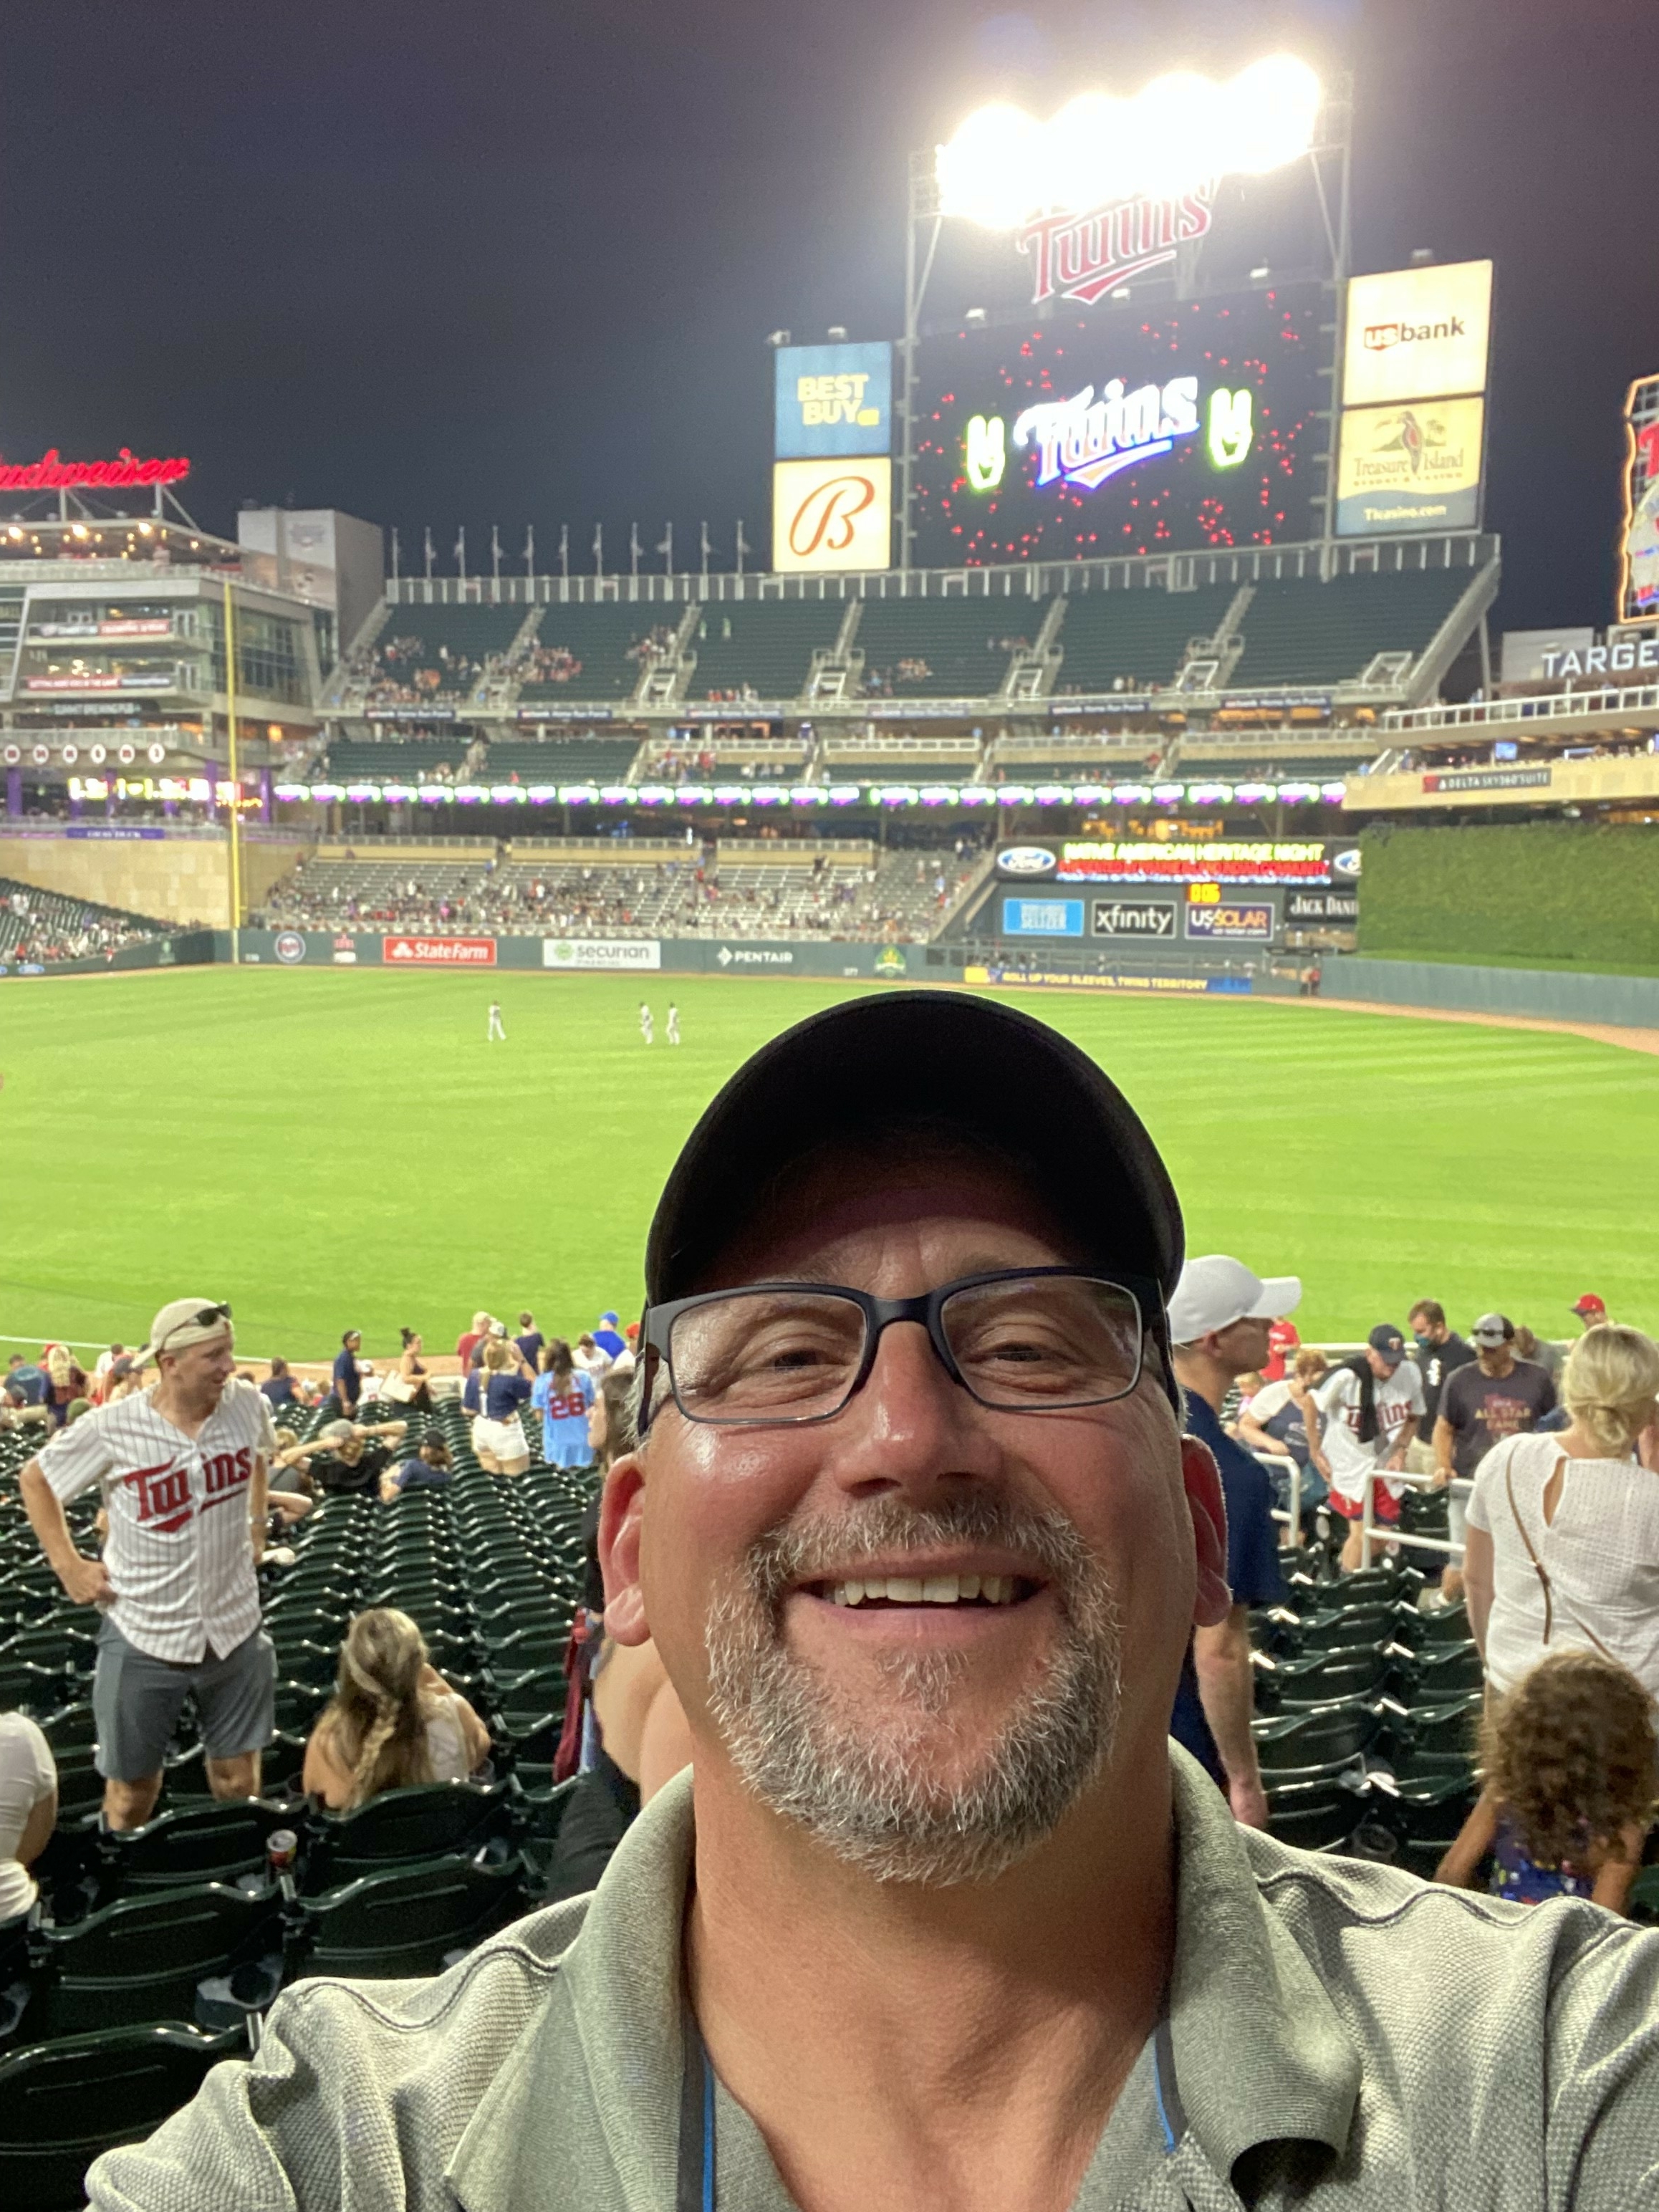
[{"x": 1367, "y": 1520}]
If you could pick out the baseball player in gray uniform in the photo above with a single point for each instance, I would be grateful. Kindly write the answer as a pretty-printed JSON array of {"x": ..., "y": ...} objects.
[{"x": 182, "y": 1470}]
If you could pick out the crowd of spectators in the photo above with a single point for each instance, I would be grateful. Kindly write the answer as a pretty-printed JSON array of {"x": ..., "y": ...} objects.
[{"x": 40, "y": 928}]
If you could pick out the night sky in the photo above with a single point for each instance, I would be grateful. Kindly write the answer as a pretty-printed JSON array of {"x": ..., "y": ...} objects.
[{"x": 515, "y": 260}]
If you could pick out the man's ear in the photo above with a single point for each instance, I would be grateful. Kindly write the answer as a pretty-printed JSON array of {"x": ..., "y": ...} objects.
[
  {"x": 622, "y": 1514},
  {"x": 1208, "y": 1508}
]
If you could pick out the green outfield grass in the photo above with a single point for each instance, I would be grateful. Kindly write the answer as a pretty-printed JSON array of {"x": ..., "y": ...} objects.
[{"x": 327, "y": 1149}]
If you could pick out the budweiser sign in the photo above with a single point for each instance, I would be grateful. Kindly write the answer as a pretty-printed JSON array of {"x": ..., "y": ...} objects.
[
  {"x": 438, "y": 952},
  {"x": 51, "y": 472},
  {"x": 1083, "y": 257}
]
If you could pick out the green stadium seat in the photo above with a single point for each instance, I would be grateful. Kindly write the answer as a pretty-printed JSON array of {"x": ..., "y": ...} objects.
[
  {"x": 140, "y": 1958},
  {"x": 407, "y": 1920},
  {"x": 62, "y": 2104},
  {"x": 401, "y": 1826}
]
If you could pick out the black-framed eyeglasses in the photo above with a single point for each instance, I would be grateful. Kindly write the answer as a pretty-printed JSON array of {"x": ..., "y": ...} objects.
[{"x": 1017, "y": 1339}]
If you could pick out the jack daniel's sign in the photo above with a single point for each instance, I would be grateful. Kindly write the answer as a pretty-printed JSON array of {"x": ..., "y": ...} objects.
[{"x": 1084, "y": 257}]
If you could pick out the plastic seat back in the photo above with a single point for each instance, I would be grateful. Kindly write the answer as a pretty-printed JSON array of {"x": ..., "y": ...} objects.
[
  {"x": 62, "y": 2104},
  {"x": 140, "y": 1958},
  {"x": 407, "y": 1920}
]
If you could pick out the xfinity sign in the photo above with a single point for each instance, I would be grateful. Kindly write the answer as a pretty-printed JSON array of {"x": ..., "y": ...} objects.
[{"x": 1146, "y": 919}]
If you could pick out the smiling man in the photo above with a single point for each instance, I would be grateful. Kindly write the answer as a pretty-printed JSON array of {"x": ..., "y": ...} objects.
[{"x": 940, "y": 1918}]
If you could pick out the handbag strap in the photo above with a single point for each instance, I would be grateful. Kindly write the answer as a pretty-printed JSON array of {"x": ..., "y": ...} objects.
[{"x": 1539, "y": 1568}]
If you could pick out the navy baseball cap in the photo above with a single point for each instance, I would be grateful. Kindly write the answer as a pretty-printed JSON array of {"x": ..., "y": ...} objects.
[
  {"x": 984, "y": 1070},
  {"x": 1388, "y": 1340}
]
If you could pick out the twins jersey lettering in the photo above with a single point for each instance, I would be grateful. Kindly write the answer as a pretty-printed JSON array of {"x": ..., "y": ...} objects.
[
  {"x": 1398, "y": 1401},
  {"x": 183, "y": 1568}
]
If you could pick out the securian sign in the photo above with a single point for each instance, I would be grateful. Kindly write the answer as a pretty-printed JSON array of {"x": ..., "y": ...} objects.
[{"x": 52, "y": 473}]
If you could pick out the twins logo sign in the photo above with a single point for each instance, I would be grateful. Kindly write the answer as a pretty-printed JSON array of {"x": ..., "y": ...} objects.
[
  {"x": 164, "y": 1499},
  {"x": 829, "y": 516}
]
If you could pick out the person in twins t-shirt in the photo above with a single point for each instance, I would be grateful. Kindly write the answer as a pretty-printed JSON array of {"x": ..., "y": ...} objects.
[{"x": 1367, "y": 1412}]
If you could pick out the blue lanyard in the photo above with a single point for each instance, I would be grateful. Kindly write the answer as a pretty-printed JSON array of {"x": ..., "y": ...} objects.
[{"x": 694, "y": 2188}]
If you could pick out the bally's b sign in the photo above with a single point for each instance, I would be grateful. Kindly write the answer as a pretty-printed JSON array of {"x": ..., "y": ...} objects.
[{"x": 828, "y": 516}]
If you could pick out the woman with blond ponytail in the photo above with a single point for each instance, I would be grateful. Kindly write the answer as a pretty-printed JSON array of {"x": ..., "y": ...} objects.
[
  {"x": 1563, "y": 1545},
  {"x": 393, "y": 1720}
]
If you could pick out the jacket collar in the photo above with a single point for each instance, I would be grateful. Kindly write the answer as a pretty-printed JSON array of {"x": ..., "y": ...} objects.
[{"x": 592, "y": 2085}]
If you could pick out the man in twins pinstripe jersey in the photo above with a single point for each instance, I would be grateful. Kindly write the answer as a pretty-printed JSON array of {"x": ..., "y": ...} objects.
[{"x": 182, "y": 1470}]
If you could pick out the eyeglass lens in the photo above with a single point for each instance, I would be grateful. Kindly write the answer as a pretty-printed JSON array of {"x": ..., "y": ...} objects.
[{"x": 1030, "y": 1342}]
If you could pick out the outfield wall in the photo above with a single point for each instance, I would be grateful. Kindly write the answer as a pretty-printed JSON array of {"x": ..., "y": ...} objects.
[{"x": 1623, "y": 1001}]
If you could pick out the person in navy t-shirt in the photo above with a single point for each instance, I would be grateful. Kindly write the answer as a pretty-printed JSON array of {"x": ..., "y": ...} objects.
[
  {"x": 348, "y": 1377},
  {"x": 1219, "y": 1318}
]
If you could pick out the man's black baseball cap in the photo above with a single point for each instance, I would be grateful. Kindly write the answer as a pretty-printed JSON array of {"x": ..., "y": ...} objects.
[{"x": 983, "y": 1069}]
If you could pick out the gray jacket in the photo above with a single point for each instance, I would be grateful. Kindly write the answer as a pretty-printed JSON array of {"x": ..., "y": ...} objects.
[{"x": 1337, "y": 2035}]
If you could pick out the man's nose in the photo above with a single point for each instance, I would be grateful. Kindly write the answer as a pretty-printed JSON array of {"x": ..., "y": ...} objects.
[{"x": 912, "y": 1425}]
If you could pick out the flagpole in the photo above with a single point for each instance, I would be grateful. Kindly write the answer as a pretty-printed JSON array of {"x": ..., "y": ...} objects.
[{"x": 235, "y": 815}]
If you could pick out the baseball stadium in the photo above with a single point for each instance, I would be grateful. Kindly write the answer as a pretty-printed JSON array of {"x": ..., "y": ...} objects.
[{"x": 456, "y": 1005}]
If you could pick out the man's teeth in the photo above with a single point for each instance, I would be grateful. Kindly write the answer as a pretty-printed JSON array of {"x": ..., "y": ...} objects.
[{"x": 931, "y": 1589}]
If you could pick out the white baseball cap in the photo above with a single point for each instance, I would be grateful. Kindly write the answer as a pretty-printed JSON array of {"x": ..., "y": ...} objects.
[
  {"x": 186, "y": 1321},
  {"x": 1215, "y": 1291}
]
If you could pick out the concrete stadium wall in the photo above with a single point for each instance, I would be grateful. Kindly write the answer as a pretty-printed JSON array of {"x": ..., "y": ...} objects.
[{"x": 147, "y": 870}]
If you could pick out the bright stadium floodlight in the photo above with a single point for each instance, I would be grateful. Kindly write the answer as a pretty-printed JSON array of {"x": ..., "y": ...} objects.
[{"x": 1002, "y": 166}]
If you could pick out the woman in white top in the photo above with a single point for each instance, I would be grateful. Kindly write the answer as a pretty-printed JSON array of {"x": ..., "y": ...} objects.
[
  {"x": 393, "y": 1719},
  {"x": 28, "y": 1810},
  {"x": 1563, "y": 1541}
]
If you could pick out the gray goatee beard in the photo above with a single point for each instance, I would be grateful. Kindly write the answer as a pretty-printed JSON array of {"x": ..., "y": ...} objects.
[{"x": 868, "y": 1793}]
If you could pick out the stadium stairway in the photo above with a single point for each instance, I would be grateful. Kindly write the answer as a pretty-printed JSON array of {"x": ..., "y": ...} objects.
[{"x": 762, "y": 648}]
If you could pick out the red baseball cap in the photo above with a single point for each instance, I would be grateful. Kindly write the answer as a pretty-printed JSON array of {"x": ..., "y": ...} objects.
[{"x": 1589, "y": 1304}]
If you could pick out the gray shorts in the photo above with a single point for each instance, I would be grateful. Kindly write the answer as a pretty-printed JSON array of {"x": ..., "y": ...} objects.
[{"x": 136, "y": 1701}]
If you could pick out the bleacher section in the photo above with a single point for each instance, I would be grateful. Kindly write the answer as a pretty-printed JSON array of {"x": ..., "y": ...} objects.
[
  {"x": 48, "y": 926},
  {"x": 1133, "y": 641},
  {"x": 439, "y": 653},
  {"x": 589, "y": 759},
  {"x": 150, "y": 1928},
  {"x": 761, "y": 649},
  {"x": 941, "y": 648},
  {"x": 1304, "y": 633},
  {"x": 583, "y": 652},
  {"x": 401, "y": 760}
]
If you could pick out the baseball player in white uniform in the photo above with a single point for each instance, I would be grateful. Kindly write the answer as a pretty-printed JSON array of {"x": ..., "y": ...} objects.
[
  {"x": 645, "y": 1021},
  {"x": 182, "y": 1471},
  {"x": 673, "y": 1023},
  {"x": 495, "y": 1032}
]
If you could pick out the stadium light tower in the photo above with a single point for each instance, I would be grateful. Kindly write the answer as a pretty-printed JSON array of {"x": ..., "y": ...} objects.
[{"x": 1110, "y": 188}]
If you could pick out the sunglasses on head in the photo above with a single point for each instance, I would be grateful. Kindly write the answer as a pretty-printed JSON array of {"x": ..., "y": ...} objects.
[{"x": 203, "y": 1318}]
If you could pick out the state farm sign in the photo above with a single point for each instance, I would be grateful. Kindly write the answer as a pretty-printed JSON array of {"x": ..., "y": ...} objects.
[{"x": 438, "y": 952}]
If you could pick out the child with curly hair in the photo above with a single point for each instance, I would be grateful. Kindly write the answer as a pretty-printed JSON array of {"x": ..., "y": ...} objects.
[{"x": 1571, "y": 1767}]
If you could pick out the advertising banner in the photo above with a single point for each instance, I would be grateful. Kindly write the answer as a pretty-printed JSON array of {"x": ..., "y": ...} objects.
[
  {"x": 438, "y": 952},
  {"x": 1415, "y": 333},
  {"x": 1185, "y": 861},
  {"x": 1638, "y": 546},
  {"x": 833, "y": 400},
  {"x": 117, "y": 626},
  {"x": 1404, "y": 469},
  {"x": 608, "y": 952},
  {"x": 1042, "y": 917},
  {"x": 1323, "y": 906},
  {"x": 1157, "y": 986},
  {"x": 1223, "y": 923},
  {"x": 831, "y": 516},
  {"x": 1147, "y": 919},
  {"x": 107, "y": 679}
]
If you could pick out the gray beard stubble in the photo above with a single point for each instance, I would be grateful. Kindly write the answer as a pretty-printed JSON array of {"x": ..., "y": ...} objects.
[{"x": 867, "y": 1795}]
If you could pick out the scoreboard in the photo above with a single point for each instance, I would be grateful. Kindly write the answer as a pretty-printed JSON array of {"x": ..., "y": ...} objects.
[{"x": 1196, "y": 425}]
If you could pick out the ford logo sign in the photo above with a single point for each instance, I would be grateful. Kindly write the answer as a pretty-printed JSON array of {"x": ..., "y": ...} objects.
[
  {"x": 1346, "y": 864},
  {"x": 1025, "y": 861}
]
